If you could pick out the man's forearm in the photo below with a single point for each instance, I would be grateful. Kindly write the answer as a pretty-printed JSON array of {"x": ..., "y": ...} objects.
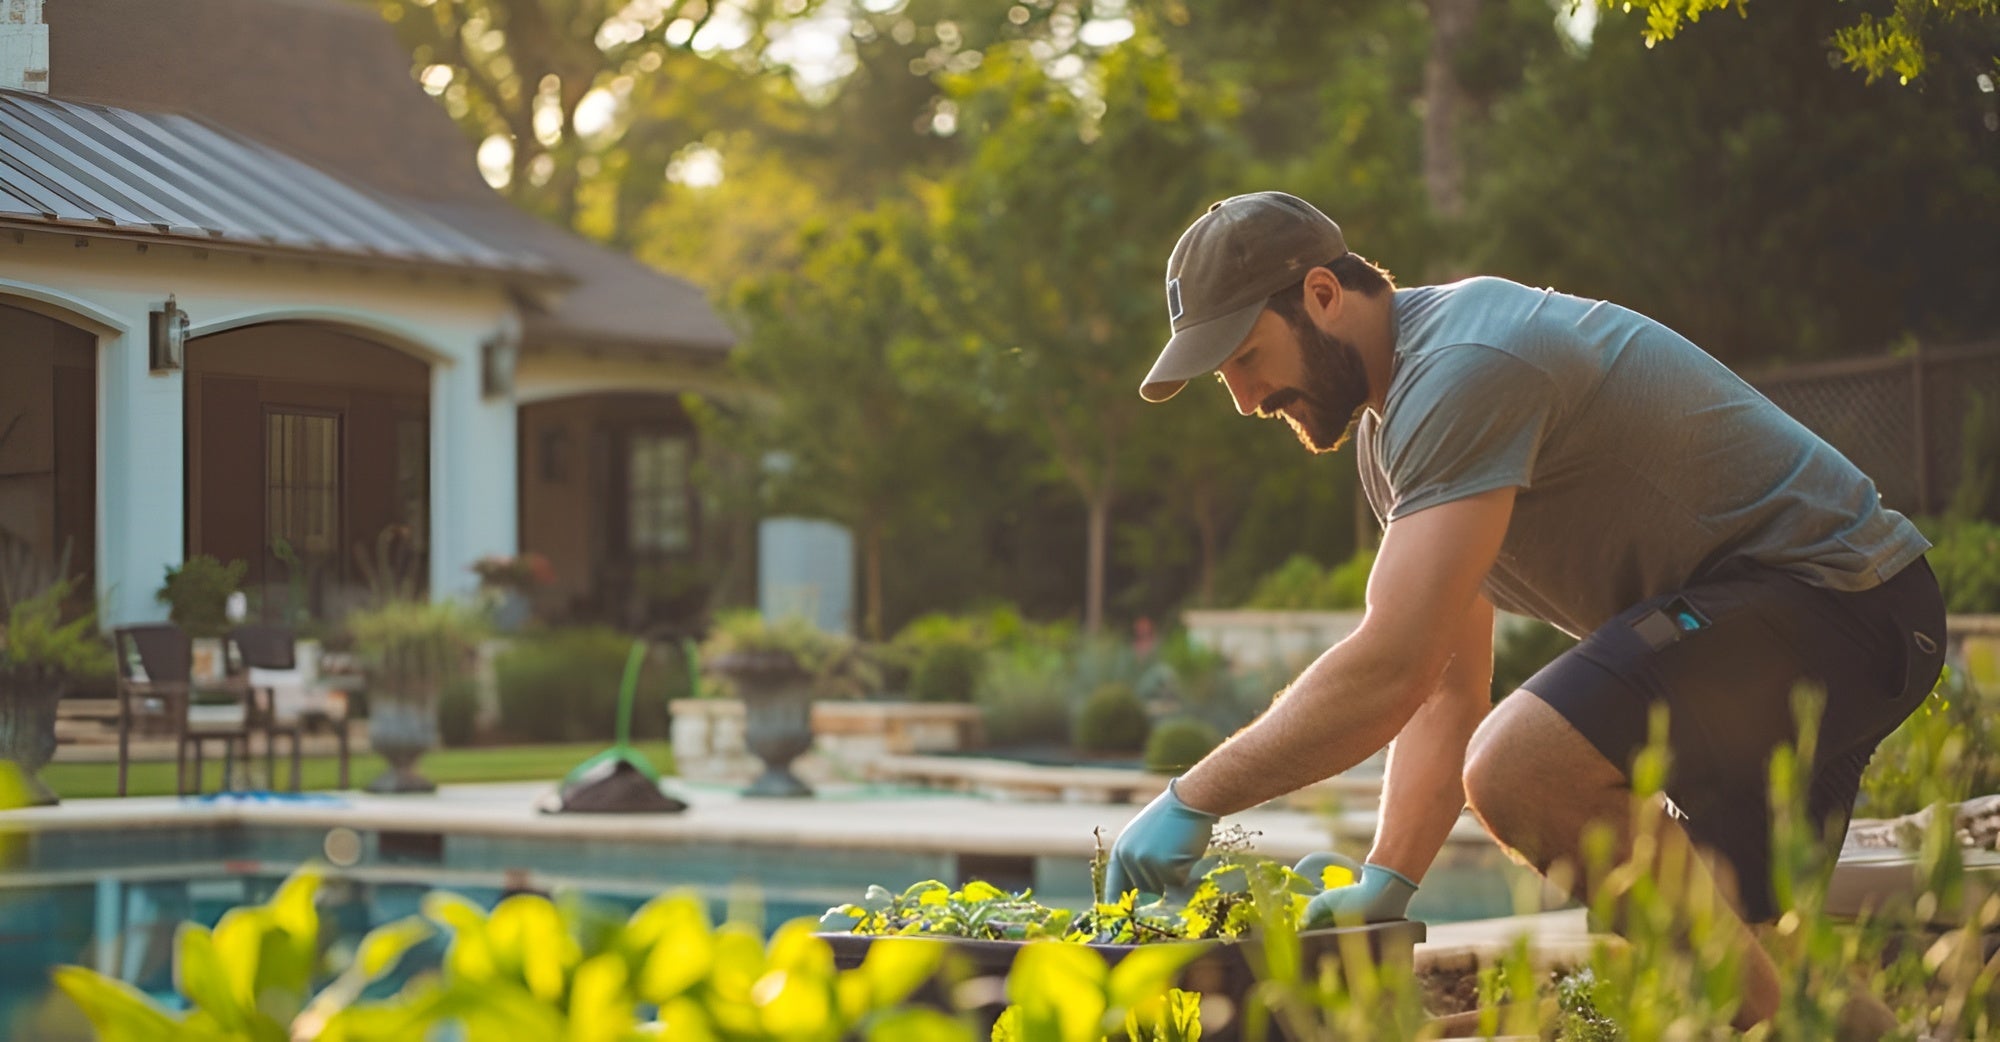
[
  {"x": 1423, "y": 789},
  {"x": 1346, "y": 705}
]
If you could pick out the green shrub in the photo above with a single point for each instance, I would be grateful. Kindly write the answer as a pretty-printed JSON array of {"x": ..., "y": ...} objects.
[
  {"x": 1520, "y": 650},
  {"x": 1948, "y": 750},
  {"x": 1112, "y": 720},
  {"x": 1300, "y": 584},
  {"x": 1346, "y": 587},
  {"x": 1966, "y": 557},
  {"x": 562, "y": 685},
  {"x": 458, "y": 711},
  {"x": 35, "y": 641},
  {"x": 1180, "y": 743},
  {"x": 1290, "y": 586},
  {"x": 1024, "y": 697},
  {"x": 948, "y": 671}
]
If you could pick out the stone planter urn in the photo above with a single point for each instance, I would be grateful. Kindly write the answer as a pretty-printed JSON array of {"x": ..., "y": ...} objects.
[
  {"x": 28, "y": 728},
  {"x": 402, "y": 728},
  {"x": 777, "y": 715}
]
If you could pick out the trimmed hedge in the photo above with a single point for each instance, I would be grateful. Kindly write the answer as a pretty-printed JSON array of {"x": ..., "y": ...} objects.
[{"x": 562, "y": 686}]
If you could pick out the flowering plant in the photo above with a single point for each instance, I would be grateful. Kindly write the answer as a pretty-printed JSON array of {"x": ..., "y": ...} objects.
[{"x": 521, "y": 572}]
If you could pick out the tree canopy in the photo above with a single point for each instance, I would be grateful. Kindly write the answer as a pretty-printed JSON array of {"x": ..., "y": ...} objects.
[{"x": 941, "y": 225}]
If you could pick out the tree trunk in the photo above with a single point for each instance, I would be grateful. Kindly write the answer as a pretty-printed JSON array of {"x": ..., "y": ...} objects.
[
  {"x": 1444, "y": 105},
  {"x": 1099, "y": 502},
  {"x": 871, "y": 563},
  {"x": 1208, "y": 532}
]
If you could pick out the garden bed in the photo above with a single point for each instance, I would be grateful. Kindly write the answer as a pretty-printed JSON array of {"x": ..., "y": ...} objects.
[{"x": 1225, "y": 969}]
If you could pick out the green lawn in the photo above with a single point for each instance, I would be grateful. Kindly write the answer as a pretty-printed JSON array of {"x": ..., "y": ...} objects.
[{"x": 444, "y": 766}]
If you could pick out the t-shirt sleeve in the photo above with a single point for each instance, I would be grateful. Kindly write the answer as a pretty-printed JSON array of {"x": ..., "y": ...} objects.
[{"x": 1472, "y": 420}]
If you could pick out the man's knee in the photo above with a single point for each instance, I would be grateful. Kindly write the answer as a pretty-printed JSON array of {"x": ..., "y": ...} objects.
[{"x": 1525, "y": 766}]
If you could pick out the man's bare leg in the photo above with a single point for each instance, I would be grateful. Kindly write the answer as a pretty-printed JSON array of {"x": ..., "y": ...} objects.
[{"x": 1538, "y": 786}]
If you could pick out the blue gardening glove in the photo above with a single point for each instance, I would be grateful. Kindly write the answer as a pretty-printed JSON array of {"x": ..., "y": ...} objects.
[
  {"x": 1158, "y": 848},
  {"x": 1379, "y": 895}
]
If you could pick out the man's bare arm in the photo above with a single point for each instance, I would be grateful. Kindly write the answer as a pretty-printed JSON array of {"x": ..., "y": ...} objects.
[
  {"x": 1423, "y": 791},
  {"x": 1358, "y": 695}
]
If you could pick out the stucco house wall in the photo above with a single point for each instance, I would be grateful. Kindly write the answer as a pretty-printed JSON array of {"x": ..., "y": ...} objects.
[{"x": 109, "y": 288}]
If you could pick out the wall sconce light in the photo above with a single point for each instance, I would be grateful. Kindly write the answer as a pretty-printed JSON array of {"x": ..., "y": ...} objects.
[
  {"x": 496, "y": 366},
  {"x": 167, "y": 337}
]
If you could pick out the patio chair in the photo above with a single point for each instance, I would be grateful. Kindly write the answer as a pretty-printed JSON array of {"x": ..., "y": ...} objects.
[
  {"x": 266, "y": 650},
  {"x": 165, "y": 655}
]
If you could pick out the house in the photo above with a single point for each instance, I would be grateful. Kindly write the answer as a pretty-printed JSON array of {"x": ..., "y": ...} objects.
[{"x": 256, "y": 302}]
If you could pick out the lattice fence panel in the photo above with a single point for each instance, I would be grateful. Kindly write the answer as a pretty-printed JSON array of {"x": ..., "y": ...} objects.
[
  {"x": 1950, "y": 387},
  {"x": 1869, "y": 416},
  {"x": 1871, "y": 412}
]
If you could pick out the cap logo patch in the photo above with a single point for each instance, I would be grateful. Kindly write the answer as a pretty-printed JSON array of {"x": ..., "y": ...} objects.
[{"x": 1174, "y": 300}]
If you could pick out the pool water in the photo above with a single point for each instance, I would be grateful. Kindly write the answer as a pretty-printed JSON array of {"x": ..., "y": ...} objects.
[{"x": 112, "y": 899}]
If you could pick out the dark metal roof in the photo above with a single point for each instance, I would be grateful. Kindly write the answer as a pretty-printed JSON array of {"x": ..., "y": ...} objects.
[
  {"x": 95, "y": 169},
  {"x": 339, "y": 95}
]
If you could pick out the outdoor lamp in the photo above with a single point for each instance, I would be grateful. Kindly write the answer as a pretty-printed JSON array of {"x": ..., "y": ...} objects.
[
  {"x": 168, "y": 336},
  {"x": 496, "y": 365}
]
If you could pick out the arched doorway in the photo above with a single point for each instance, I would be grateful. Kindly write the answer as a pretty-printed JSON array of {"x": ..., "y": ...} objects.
[
  {"x": 48, "y": 442},
  {"x": 608, "y": 495},
  {"x": 308, "y": 458}
]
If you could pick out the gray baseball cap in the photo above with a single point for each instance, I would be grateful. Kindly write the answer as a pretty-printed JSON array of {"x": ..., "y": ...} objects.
[{"x": 1226, "y": 265}]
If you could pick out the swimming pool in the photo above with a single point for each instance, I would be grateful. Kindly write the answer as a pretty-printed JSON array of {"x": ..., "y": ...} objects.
[{"x": 104, "y": 884}]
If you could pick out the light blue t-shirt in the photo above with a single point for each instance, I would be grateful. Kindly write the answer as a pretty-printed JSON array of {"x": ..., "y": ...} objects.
[{"x": 1642, "y": 462}]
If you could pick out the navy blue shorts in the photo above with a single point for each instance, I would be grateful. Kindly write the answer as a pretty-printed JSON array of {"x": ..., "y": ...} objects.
[{"x": 1724, "y": 655}]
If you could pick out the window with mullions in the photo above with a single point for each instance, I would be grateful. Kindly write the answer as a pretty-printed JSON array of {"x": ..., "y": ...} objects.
[
  {"x": 659, "y": 518},
  {"x": 302, "y": 482}
]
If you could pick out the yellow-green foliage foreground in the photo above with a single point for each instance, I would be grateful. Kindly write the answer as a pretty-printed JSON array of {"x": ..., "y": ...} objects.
[{"x": 536, "y": 969}]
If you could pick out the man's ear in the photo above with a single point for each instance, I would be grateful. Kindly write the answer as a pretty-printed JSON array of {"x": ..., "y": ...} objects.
[{"x": 1325, "y": 297}]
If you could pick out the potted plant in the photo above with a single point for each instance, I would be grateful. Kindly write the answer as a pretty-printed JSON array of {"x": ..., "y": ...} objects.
[
  {"x": 197, "y": 595},
  {"x": 1238, "y": 897},
  {"x": 510, "y": 583},
  {"x": 776, "y": 669},
  {"x": 413, "y": 651},
  {"x": 40, "y": 655}
]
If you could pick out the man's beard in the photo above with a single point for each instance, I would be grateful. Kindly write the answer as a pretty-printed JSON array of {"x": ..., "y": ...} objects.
[{"x": 1324, "y": 412}]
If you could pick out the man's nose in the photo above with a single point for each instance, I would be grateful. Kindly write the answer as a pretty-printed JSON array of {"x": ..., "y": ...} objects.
[{"x": 1246, "y": 393}]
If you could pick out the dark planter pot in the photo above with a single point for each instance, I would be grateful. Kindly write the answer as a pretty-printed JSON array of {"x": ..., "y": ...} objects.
[
  {"x": 28, "y": 729},
  {"x": 777, "y": 715},
  {"x": 402, "y": 729},
  {"x": 1224, "y": 969}
]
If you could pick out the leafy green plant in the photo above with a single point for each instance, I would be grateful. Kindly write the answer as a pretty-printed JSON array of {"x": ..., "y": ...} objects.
[
  {"x": 1024, "y": 696},
  {"x": 839, "y": 666},
  {"x": 1966, "y": 557},
  {"x": 948, "y": 671},
  {"x": 1224, "y": 904},
  {"x": 197, "y": 594},
  {"x": 415, "y": 649},
  {"x": 1300, "y": 584},
  {"x": 1180, "y": 743},
  {"x": 1067, "y": 993},
  {"x": 250, "y": 978},
  {"x": 531, "y": 968},
  {"x": 1292, "y": 585},
  {"x": 1947, "y": 750},
  {"x": 562, "y": 684},
  {"x": 37, "y": 642},
  {"x": 1112, "y": 720}
]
